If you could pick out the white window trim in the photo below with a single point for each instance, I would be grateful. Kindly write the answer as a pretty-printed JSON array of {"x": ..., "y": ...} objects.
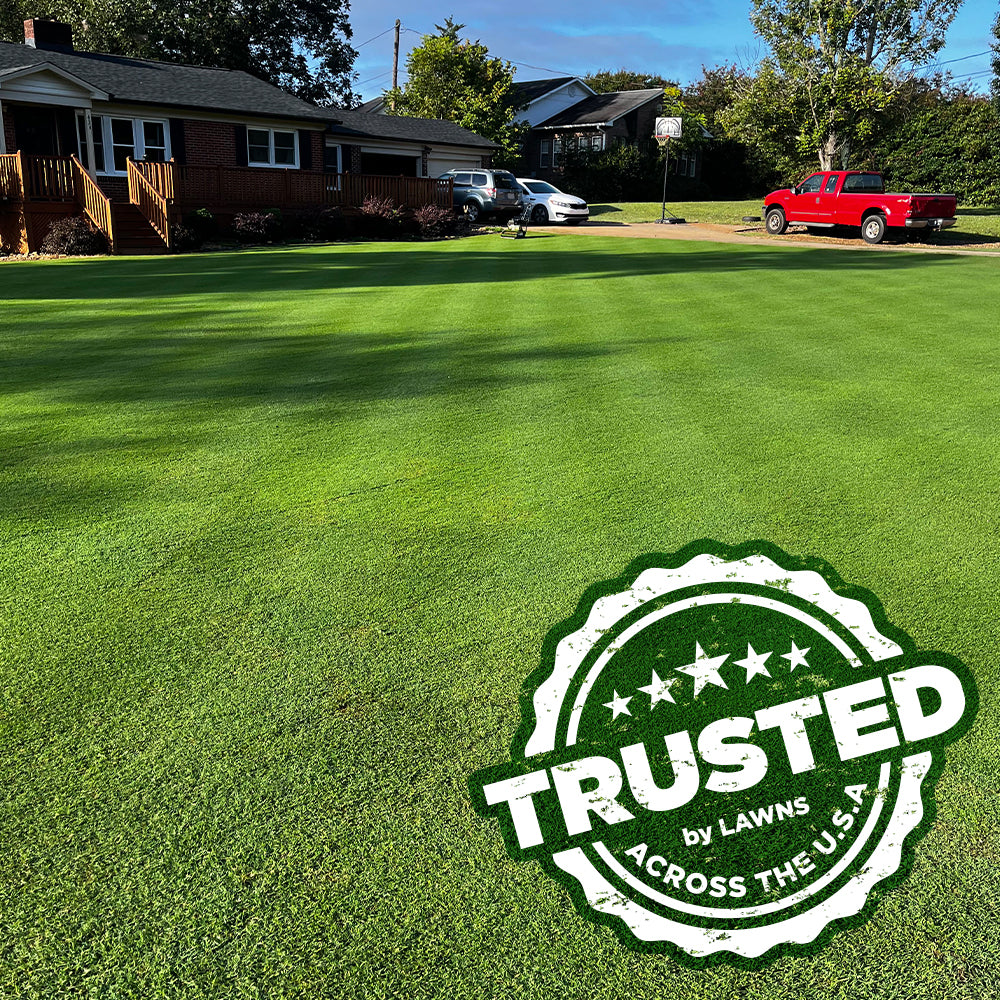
[
  {"x": 340, "y": 156},
  {"x": 138, "y": 141},
  {"x": 270, "y": 146}
]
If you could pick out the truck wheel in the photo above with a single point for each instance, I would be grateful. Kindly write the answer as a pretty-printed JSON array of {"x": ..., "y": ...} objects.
[
  {"x": 873, "y": 229},
  {"x": 775, "y": 222}
]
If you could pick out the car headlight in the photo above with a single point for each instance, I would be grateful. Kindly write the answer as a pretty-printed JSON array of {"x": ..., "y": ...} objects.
[{"x": 561, "y": 204}]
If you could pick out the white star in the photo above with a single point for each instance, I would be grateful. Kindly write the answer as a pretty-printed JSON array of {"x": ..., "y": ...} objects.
[
  {"x": 797, "y": 657},
  {"x": 618, "y": 706},
  {"x": 659, "y": 690},
  {"x": 705, "y": 669},
  {"x": 754, "y": 663}
]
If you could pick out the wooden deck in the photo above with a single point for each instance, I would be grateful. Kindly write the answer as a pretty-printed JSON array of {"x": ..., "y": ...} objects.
[{"x": 34, "y": 190}]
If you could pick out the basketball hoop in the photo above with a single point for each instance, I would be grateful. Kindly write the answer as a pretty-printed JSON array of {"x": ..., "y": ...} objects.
[{"x": 667, "y": 129}]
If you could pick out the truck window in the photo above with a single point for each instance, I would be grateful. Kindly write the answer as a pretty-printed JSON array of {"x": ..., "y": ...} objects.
[
  {"x": 811, "y": 185},
  {"x": 863, "y": 184},
  {"x": 831, "y": 184}
]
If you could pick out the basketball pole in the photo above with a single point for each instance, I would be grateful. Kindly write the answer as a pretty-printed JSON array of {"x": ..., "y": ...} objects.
[
  {"x": 666, "y": 163},
  {"x": 664, "y": 142}
]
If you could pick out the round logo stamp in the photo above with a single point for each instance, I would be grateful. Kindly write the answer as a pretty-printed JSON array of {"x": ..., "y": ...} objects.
[{"x": 726, "y": 752}]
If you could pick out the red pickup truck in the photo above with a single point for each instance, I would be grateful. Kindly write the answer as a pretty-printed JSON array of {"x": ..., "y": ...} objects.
[{"x": 855, "y": 198}]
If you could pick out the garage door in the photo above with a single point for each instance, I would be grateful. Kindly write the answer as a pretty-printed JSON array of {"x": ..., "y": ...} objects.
[{"x": 440, "y": 163}]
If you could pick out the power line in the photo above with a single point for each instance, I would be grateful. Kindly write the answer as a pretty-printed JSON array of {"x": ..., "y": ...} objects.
[
  {"x": 372, "y": 79},
  {"x": 374, "y": 38},
  {"x": 544, "y": 69},
  {"x": 963, "y": 58}
]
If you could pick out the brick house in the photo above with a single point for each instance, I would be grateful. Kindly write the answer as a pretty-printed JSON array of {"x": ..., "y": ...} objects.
[{"x": 134, "y": 144}]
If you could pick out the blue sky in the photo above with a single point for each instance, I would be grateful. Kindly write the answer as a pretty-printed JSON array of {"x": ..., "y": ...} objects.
[{"x": 575, "y": 37}]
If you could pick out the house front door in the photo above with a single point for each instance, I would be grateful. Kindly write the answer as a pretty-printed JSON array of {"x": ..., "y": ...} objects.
[{"x": 35, "y": 131}]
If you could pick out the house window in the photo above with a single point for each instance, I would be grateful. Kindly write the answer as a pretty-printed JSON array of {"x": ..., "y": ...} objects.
[
  {"x": 118, "y": 139},
  {"x": 333, "y": 159},
  {"x": 545, "y": 152},
  {"x": 122, "y": 143},
  {"x": 267, "y": 147},
  {"x": 154, "y": 140},
  {"x": 556, "y": 151}
]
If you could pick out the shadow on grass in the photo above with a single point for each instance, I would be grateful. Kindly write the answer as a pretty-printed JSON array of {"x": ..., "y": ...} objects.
[
  {"x": 480, "y": 260},
  {"x": 191, "y": 390}
]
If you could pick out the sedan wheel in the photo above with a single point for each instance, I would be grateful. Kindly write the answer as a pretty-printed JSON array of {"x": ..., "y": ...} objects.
[{"x": 539, "y": 215}]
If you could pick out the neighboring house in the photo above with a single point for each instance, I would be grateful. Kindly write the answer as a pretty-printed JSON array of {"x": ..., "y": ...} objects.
[
  {"x": 373, "y": 143},
  {"x": 542, "y": 99},
  {"x": 564, "y": 113},
  {"x": 135, "y": 143}
]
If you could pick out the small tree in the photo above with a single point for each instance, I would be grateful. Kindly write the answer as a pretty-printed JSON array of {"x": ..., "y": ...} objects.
[{"x": 457, "y": 80}]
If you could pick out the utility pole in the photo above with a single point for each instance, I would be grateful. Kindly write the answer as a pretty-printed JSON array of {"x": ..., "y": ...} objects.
[{"x": 395, "y": 56}]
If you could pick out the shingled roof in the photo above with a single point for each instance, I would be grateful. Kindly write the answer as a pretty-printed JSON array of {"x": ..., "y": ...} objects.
[
  {"x": 601, "y": 109},
  {"x": 142, "y": 81},
  {"x": 358, "y": 124},
  {"x": 531, "y": 90}
]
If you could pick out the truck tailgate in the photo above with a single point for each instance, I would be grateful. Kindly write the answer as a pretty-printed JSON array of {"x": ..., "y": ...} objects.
[{"x": 933, "y": 206}]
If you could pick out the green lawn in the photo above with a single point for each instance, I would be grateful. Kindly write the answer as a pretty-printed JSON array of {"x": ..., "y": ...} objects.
[
  {"x": 976, "y": 222},
  {"x": 282, "y": 533}
]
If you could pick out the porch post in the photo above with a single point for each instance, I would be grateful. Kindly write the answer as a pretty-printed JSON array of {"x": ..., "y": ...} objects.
[
  {"x": 88, "y": 131},
  {"x": 3, "y": 136}
]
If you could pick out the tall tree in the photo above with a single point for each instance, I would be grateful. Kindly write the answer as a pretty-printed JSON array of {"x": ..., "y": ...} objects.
[
  {"x": 607, "y": 81},
  {"x": 995, "y": 63},
  {"x": 840, "y": 62},
  {"x": 456, "y": 79},
  {"x": 302, "y": 46}
]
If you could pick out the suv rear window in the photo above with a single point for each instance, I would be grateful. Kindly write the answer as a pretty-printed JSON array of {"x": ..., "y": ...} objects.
[
  {"x": 505, "y": 182},
  {"x": 867, "y": 183},
  {"x": 479, "y": 180}
]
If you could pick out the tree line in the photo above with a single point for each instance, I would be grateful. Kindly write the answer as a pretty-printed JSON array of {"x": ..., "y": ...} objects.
[{"x": 845, "y": 83}]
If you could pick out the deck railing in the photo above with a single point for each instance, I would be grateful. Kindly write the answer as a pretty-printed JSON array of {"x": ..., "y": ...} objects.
[
  {"x": 11, "y": 178},
  {"x": 93, "y": 200},
  {"x": 47, "y": 178},
  {"x": 240, "y": 187},
  {"x": 149, "y": 201}
]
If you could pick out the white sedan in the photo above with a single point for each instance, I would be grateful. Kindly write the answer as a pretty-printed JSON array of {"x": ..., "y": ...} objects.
[{"x": 549, "y": 204}]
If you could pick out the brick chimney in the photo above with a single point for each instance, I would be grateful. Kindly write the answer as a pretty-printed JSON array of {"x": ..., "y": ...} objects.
[{"x": 41, "y": 33}]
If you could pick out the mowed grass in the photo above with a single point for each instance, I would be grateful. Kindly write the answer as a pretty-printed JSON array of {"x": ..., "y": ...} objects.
[{"x": 282, "y": 532}]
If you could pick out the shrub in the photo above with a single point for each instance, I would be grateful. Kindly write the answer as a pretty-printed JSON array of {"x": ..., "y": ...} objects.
[
  {"x": 435, "y": 222},
  {"x": 183, "y": 238},
  {"x": 257, "y": 227},
  {"x": 382, "y": 220},
  {"x": 202, "y": 225},
  {"x": 332, "y": 224},
  {"x": 73, "y": 234}
]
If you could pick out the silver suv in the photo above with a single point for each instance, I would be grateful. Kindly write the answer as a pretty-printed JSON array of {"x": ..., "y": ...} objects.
[{"x": 485, "y": 192}]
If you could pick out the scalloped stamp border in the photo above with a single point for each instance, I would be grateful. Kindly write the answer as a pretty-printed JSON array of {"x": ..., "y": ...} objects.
[{"x": 657, "y": 808}]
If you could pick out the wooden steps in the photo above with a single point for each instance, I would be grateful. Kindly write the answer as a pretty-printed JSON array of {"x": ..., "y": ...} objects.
[{"x": 133, "y": 233}]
